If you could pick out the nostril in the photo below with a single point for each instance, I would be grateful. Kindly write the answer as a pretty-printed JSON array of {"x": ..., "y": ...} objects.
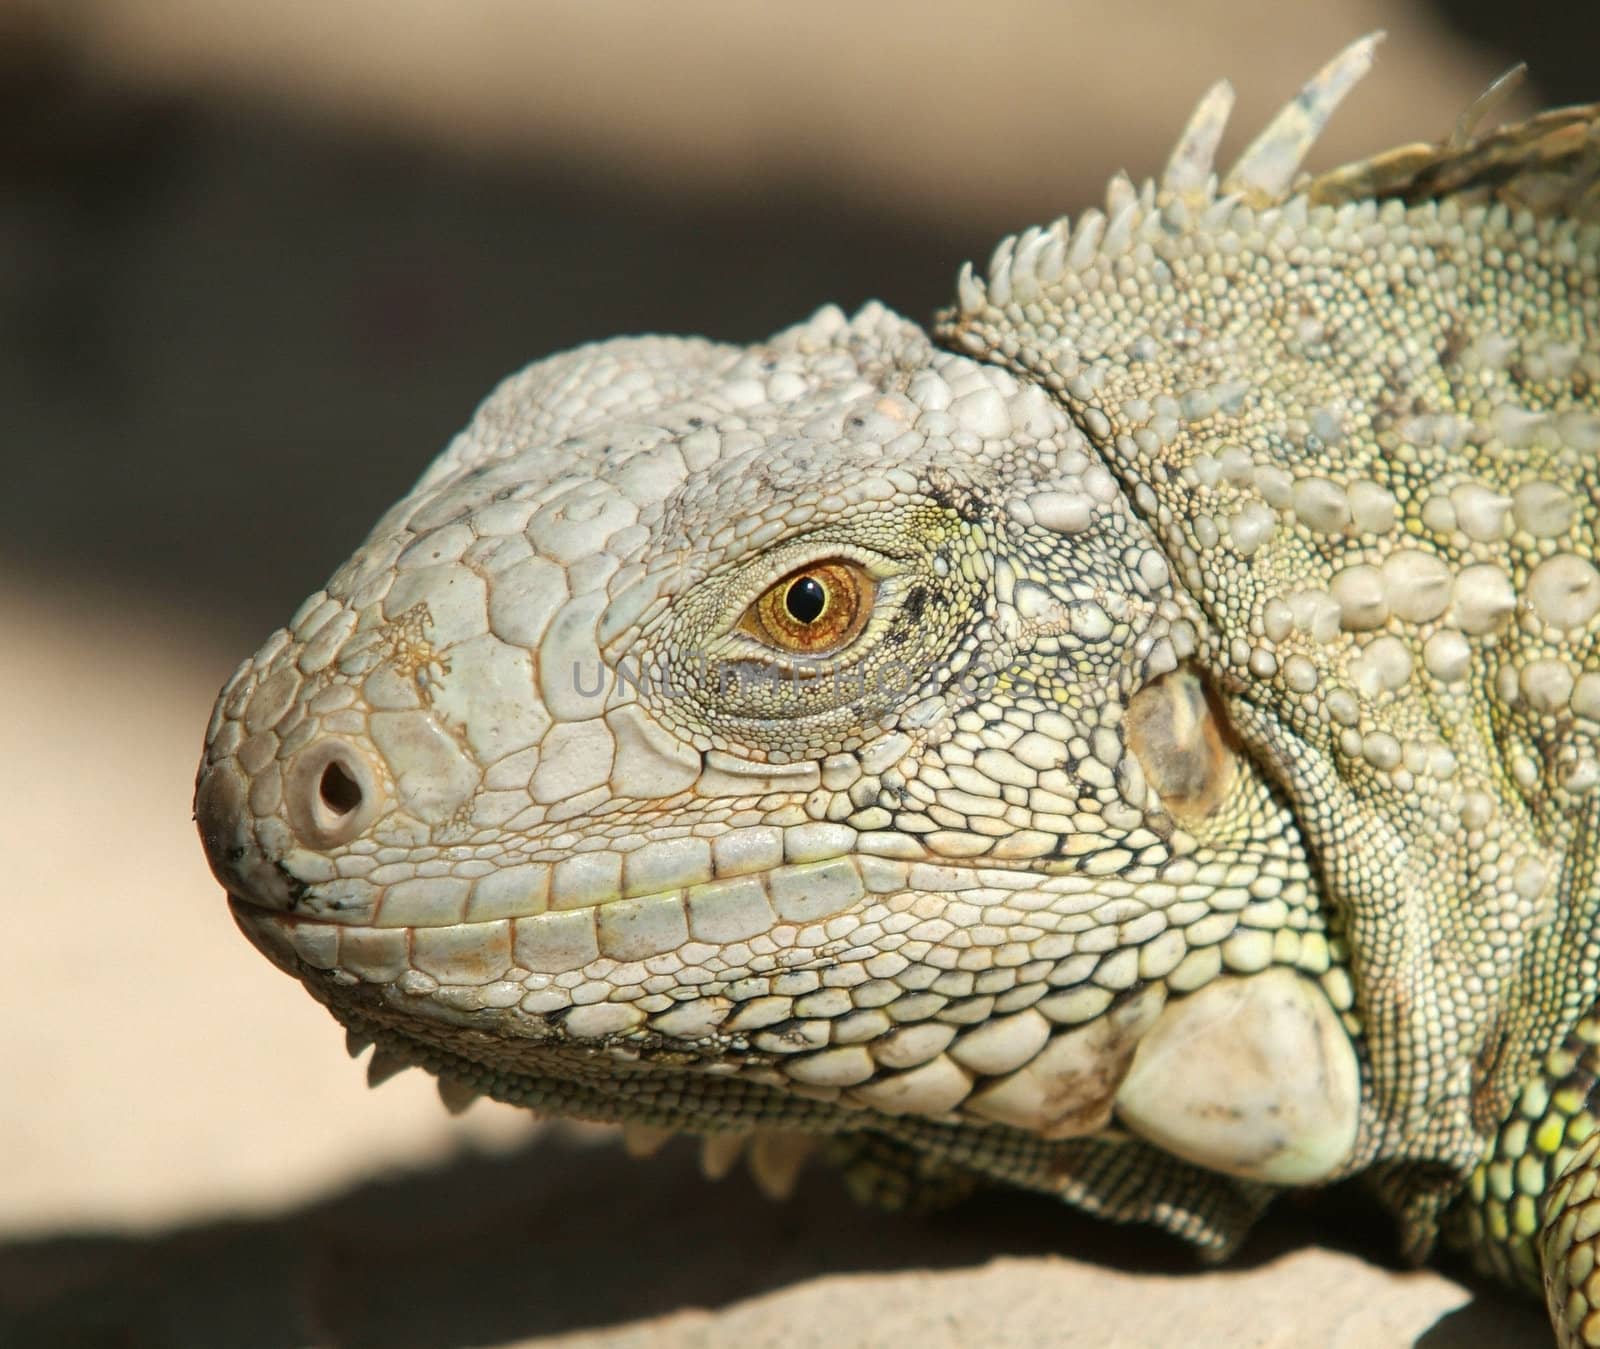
[
  {"x": 332, "y": 793},
  {"x": 341, "y": 793}
]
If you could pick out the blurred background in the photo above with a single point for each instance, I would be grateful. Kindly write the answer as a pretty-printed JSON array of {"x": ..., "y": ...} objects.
[{"x": 257, "y": 263}]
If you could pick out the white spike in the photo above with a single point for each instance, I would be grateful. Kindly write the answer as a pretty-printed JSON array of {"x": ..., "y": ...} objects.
[
  {"x": 1119, "y": 233},
  {"x": 720, "y": 1152},
  {"x": 969, "y": 290},
  {"x": 1052, "y": 258},
  {"x": 641, "y": 1140},
  {"x": 384, "y": 1064},
  {"x": 776, "y": 1158},
  {"x": 1000, "y": 271},
  {"x": 1120, "y": 194},
  {"x": 1217, "y": 215},
  {"x": 1194, "y": 156},
  {"x": 1024, "y": 264},
  {"x": 1472, "y": 116},
  {"x": 1086, "y": 241},
  {"x": 456, "y": 1094},
  {"x": 1268, "y": 166}
]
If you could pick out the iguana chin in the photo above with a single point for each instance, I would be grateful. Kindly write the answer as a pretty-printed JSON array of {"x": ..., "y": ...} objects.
[{"x": 1136, "y": 743}]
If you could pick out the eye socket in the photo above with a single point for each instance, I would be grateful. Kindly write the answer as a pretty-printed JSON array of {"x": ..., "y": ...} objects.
[{"x": 814, "y": 610}]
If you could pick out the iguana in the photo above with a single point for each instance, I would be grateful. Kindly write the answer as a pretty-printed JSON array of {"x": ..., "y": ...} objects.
[{"x": 1136, "y": 742}]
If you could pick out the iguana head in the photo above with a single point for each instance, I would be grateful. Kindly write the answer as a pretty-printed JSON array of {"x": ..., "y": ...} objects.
[{"x": 796, "y": 735}]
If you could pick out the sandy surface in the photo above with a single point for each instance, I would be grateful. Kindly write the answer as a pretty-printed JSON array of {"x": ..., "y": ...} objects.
[{"x": 237, "y": 324}]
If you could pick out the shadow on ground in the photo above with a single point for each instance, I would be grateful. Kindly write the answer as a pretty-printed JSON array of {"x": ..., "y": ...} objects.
[{"x": 564, "y": 1236}]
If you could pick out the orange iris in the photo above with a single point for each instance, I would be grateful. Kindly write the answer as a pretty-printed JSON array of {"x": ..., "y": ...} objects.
[{"x": 814, "y": 610}]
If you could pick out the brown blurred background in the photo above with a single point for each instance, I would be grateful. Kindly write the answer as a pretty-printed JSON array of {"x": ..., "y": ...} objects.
[{"x": 257, "y": 263}]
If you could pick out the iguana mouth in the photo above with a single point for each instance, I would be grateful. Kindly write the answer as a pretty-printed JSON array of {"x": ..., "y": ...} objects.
[{"x": 694, "y": 1066}]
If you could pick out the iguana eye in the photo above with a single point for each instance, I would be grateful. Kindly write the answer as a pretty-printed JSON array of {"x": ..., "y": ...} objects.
[{"x": 814, "y": 610}]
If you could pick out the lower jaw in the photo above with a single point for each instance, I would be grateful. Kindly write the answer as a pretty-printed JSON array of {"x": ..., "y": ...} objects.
[
  {"x": 691, "y": 1068},
  {"x": 900, "y": 1162}
]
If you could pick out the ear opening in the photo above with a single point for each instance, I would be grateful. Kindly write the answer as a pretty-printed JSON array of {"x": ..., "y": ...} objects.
[{"x": 1178, "y": 732}]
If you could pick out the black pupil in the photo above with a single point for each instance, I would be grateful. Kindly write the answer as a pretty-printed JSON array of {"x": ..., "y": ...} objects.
[{"x": 805, "y": 600}]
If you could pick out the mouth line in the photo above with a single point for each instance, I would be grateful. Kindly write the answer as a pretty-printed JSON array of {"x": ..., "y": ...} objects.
[
  {"x": 715, "y": 911},
  {"x": 293, "y": 914},
  {"x": 531, "y": 951},
  {"x": 877, "y": 875}
]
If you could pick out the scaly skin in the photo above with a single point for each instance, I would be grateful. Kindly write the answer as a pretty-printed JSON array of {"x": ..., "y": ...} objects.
[{"x": 1144, "y": 753}]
